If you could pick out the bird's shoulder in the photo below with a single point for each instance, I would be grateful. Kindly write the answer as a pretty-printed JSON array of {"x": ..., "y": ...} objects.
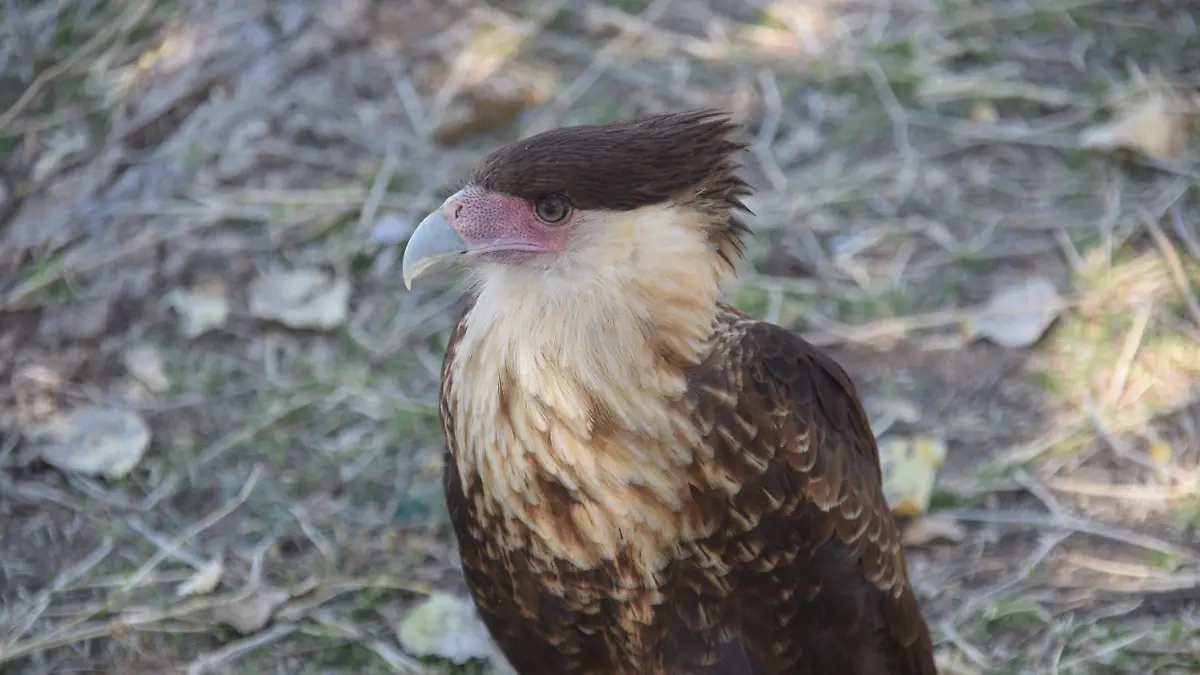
[
  {"x": 769, "y": 392},
  {"x": 759, "y": 357},
  {"x": 808, "y": 521}
]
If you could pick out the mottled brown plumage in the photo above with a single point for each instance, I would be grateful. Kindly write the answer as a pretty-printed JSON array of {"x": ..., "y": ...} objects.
[{"x": 642, "y": 479}]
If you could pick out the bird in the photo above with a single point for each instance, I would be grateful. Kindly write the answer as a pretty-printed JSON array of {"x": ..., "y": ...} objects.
[{"x": 642, "y": 479}]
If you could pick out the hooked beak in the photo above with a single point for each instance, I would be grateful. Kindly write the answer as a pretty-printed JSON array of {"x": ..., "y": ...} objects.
[{"x": 433, "y": 242}]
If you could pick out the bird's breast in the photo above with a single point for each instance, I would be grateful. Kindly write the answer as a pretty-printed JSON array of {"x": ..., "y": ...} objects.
[
  {"x": 580, "y": 506},
  {"x": 584, "y": 464}
]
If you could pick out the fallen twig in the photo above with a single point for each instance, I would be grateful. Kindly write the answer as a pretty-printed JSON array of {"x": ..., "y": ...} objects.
[
  {"x": 239, "y": 648},
  {"x": 1173, "y": 264},
  {"x": 1037, "y": 520},
  {"x": 212, "y": 519},
  {"x": 124, "y": 24}
]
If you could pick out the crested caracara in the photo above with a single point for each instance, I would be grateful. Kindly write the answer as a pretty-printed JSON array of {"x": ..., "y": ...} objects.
[{"x": 642, "y": 479}]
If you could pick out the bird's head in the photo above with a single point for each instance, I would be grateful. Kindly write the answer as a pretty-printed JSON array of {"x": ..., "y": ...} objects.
[{"x": 594, "y": 204}]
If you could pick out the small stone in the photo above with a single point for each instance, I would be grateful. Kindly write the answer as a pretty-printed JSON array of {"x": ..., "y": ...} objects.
[
  {"x": 303, "y": 298},
  {"x": 200, "y": 310},
  {"x": 146, "y": 366},
  {"x": 97, "y": 441},
  {"x": 1018, "y": 314}
]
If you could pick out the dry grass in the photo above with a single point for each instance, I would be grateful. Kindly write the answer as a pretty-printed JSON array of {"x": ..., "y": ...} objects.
[{"x": 912, "y": 156}]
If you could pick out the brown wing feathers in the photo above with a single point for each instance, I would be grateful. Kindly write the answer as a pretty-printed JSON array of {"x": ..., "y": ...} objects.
[{"x": 826, "y": 545}]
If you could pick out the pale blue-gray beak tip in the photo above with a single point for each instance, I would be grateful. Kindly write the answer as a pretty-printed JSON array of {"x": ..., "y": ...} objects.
[{"x": 432, "y": 243}]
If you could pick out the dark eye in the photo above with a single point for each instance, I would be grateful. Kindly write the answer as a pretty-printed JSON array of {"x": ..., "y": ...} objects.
[{"x": 552, "y": 208}]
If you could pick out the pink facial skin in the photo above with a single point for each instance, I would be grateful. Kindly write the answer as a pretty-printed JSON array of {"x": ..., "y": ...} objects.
[{"x": 503, "y": 228}]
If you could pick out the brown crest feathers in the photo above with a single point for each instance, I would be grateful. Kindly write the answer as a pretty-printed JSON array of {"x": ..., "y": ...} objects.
[{"x": 623, "y": 165}]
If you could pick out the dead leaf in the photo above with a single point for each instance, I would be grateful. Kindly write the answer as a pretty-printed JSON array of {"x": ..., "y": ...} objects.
[
  {"x": 200, "y": 310},
  {"x": 204, "y": 580},
  {"x": 98, "y": 441},
  {"x": 909, "y": 472},
  {"x": 1155, "y": 126},
  {"x": 303, "y": 298},
  {"x": 447, "y": 627},
  {"x": 476, "y": 115},
  {"x": 928, "y": 529},
  {"x": 492, "y": 102},
  {"x": 1017, "y": 315},
  {"x": 252, "y": 612},
  {"x": 36, "y": 390},
  {"x": 988, "y": 83},
  {"x": 146, "y": 366},
  {"x": 1160, "y": 454}
]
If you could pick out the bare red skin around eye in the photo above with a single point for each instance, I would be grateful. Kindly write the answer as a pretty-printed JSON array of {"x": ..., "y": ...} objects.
[{"x": 502, "y": 227}]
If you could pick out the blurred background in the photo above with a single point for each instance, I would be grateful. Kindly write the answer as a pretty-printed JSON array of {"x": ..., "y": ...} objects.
[{"x": 219, "y": 444}]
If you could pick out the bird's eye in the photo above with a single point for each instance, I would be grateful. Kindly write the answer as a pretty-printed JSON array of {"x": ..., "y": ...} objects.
[{"x": 552, "y": 208}]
